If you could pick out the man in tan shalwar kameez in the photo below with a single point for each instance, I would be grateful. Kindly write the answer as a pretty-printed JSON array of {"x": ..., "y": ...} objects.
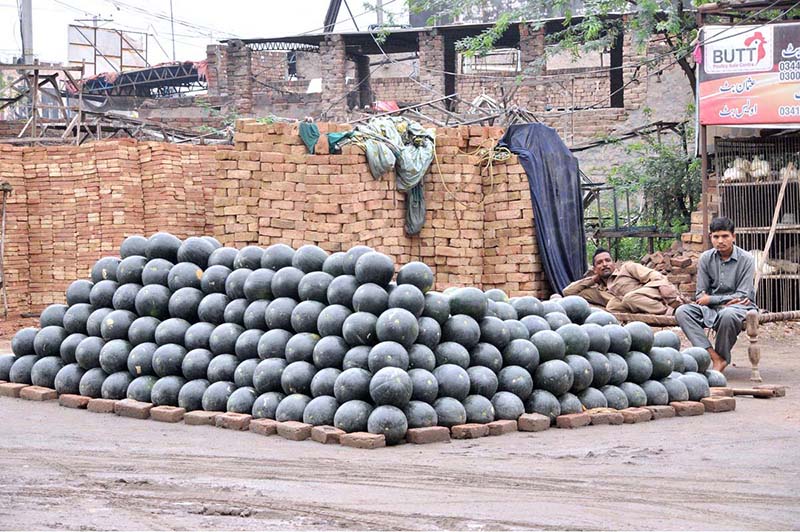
[{"x": 629, "y": 287}]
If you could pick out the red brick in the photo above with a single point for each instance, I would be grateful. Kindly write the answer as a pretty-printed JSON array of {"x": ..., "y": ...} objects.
[
  {"x": 38, "y": 393},
  {"x": 294, "y": 430},
  {"x": 469, "y": 431},
  {"x": 69, "y": 400},
  {"x": 606, "y": 418},
  {"x": 233, "y": 421},
  {"x": 573, "y": 421},
  {"x": 502, "y": 426},
  {"x": 11, "y": 389},
  {"x": 428, "y": 435},
  {"x": 533, "y": 423},
  {"x": 688, "y": 408},
  {"x": 661, "y": 411},
  {"x": 721, "y": 391},
  {"x": 636, "y": 415},
  {"x": 264, "y": 427},
  {"x": 326, "y": 434},
  {"x": 200, "y": 417},
  {"x": 133, "y": 409},
  {"x": 719, "y": 404},
  {"x": 167, "y": 414},
  {"x": 363, "y": 440},
  {"x": 101, "y": 406}
]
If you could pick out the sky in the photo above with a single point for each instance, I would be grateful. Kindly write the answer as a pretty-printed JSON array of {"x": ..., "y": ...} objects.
[{"x": 197, "y": 22}]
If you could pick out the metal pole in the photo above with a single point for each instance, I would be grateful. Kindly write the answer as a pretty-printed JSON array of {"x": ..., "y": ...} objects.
[
  {"x": 704, "y": 175},
  {"x": 172, "y": 24},
  {"x": 379, "y": 9},
  {"x": 26, "y": 27},
  {"x": 6, "y": 188}
]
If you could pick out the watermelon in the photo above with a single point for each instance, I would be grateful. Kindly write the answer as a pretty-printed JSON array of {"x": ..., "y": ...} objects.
[
  {"x": 163, "y": 246},
  {"x": 195, "y": 364},
  {"x": 223, "y": 256},
  {"x": 576, "y": 340},
  {"x": 246, "y": 346},
  {"x": 582, "y": 371},
  {"x": 22, "y": 342},
  {"x": 479, "y": 409},
  {"x": 550, "y": 346},
  {"x": 331, "y": 320},
  {"x": 700, "y": 356},
  {"x": 391, "y": 386},
  {"x": 507, "y": 405},
  {"x": 468, "y": 301},
  {"x": 351, "y": 258},
  {"x": 599, "y": 338},
  {"x": 689, "y": 363},
  {"x": 279, "y": 313},
  {"x": 576, "y": 307},
  {"x": 125, "y": 297},
  {"x": 184, "y": 274},
  {"x": 272, "y": 344},
  {"x": 309, "y": 258},
  {"x": 495, "y": 294},
  {"x": 91, "y": 383},
  {"x": 300, "y": 347},
  {"x": 243, "y": 376},
  {"x": 171, "y": 331},
  {"x": 267, "y": 375},
  {"x": 462, "y": 329},
  {"x": 407, "y": 297},
  {"x": 334, "y": 264},
  {"x": 359, "y": 329},
  {"x": 198, "y": 335},
  {"x": 190, "y": 397},
  {"x": 87, "y": 354},
  {"x": 116, "y": 386},
  {"x": 102, "y": 294},
  {"x": 370, "y": 298},
  {"x": 357, "y": 357},
  {"x": 249, "y": 257},
  {"x": 114, "y": 356},
  {"x": 341, "y": 290},
  {"x": 352, "y": 416},
  {"x": 417, "y": 274},
  {"x": 662, "y": 362},
  {"x": 214, "y": 279},
  {"x": 656, "y": 393},
  {"x": 68, "y": 379},
  {"x": 184, "y": 303},
  {"x": 437, "y": 306},
  {"x": 352, "y": 384},
  {"x": 296, "y": 378},
  {"x": 592, "y": 398},
  {"x": 314, "y": 287},
  {"x": 133, "y": 245},
  {"x": 552, "y": 306},
  {"x": 677, "y": 359},
  {"x": 453, "y": 381},
  {"x": 143, "y": 330},
  {"x": 666, "y": 339},
  {"x": 277, "y": 256},
  {"x": 555, "y": 376},
  {"x": 79, "y": 291},
  {"x": 44, "y": 371},
  {"x": 323, "y": 382},
  {"x": 430, "y": 332},
  {"x": 615, "y": 397},
  {"x": 95, "y": 320},
  {"x": 195, "y": 250},
  {"x": 235, "y": 282},
  {"x": 715, "y": 378},
  {"x": 387, "y": 354},
  {"x": 676, "y": 389},
  {"x": 321, "y": 410},
  {"x": 556, "y": 320},
  {"x": 234, "y": 311},
  {"x": 601, "y": 317},
  {"x": 222, "y": 368},
  {"x": 641, "y": 336},
  {"x": 544, "y": 403},
  {"x": 482, "y": 354},
  {"x": 140, "y": 359},
  {"x": 53, "y": 315},
  {"x": 115, "y": 325},
  {"x": 156, "y": 272},
  {"x": 68, "y": 347},
  {"x": 215, "y": 398},
  {"x": 48, "y": 341},
  {"x": 424, "y": 385},
  {"x": 397, "y": 325},
  {"x": 570, "y": 404},
  {"x": 493, "y": 331},
  {"x": 257, "y": 285},
  {"x": 640, "y": 368},
  {"x": 450, "y": 412},
  {"x": 535, "y": 324},
  {"x": 373, "y": 267},
  {"x": 619, "y": 369},
  {"x": 389, "y": 421},
  {"x": 483, "y": 381},
  {"x": 504, "y": 311},
  {"x": 634, "y": 393},
  {"x": 167, "y": 359},
  {"x": 329, "y": 352},
  {"x": 241, "y": 400},
  {"x": 421, "y": 357},
  {"x": 455, "y": 353},
  {"x": 696, "y": 385},
  {"x": 266, "y": 405},
  {"x": 304, "y": 316},
  {"x": 420, "y": 415},
  {"x": 105, "y": 269},
  {"x": 285, "y": 282},
  {"x": 523, "y": 353},
  {"x": 153, "y": 300},
  {"x": 527, "y": 306},
  {"x": 517, "y": 380},
  {"x": 601, "y": 368},
  {"x": 254, "y": 315}
]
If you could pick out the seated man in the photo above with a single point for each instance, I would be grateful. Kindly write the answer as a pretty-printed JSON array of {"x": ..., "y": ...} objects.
[
  {"x": 629, "y": 287},
  {"x": 725, "y": 293}
]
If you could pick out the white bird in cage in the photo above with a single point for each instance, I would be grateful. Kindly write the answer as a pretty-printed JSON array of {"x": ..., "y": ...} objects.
[
  {"x": 790, "y": 171},
  {"x": 741, "y": 164},
  {"x": 734, "y": 175},
  {"x": 759, "y": 169},
  {"x": 761, "y": 264}
]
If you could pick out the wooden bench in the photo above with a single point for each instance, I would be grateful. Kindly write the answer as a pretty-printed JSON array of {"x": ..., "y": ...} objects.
[{"x": 750, "y": 326}]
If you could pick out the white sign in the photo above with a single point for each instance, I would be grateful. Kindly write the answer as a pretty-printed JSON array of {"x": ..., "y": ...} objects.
[{"x": 732, "y": 49}]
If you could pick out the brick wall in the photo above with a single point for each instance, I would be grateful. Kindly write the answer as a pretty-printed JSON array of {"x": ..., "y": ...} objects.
[
  {"x": 478, "y": 230},
  {"x": 73, "y": 205}
]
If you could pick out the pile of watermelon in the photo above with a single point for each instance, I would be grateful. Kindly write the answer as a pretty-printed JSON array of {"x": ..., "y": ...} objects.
[{"x": 338, "y": 339}]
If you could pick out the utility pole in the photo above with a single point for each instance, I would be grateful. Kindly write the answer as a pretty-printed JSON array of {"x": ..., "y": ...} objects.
[
  {"x": 172, "y": 23},
  {"x": 379, "y": 9},
  {"x": 26, "y": 29}
]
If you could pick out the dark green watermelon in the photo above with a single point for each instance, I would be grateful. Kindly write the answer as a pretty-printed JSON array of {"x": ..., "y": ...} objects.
[
  {"x": 582, "y": 371},
  {"x": 666, "y": 339},
  {"x": 156, "y": 271},
  {"x": 495, "y": 294},
  {"x": 507, "y": 405},
  {"x": 102, "y": 294},
  {"x": 576, "y": 340},
  {"x": 53, "y": 315},
  {"x": 358, "y": 357},
  {"x": 352, "y": 384},
  {"x": 168, "y": 359},
  {"x": 267, "y": 375},
  {"x": 555, "y": 376},
  {"x": 279, "y": 313},
  {"x": 114, "y": 356},
  {"x": 417, "y": 274},
  {"x": 420, "y": 415},
  {"x": 321, "y": 410},
  {"x": 243, "y": 376},
  {"x": 198, "y": 335},
  {"x": 599, "y": 339},
  {"x": 387, "y": 354},
  {"x": 223, "y": 339},
  {"x": 527, "y": 306},
  {"x": 504, "y": 311},
  {"x": 195, "y": 250},
  {"x": 576, "y": 307},
  {"x": 634, "y": 393},
  {"x": 116, "y": 386},
  {"x": 184, "y": 303},
  {"x": 44, "y": 371},
  {"x": 700, "y": 356},
  {"x": 172, "y": 331},
  {"x": 163, "y": 246},
  {"x": 641, "y": 336},
  {"x": 407, "y": 297},
  {"x": 329, "y": 352},
  {"x": 437, "y": 306},
  {"x": 462, "y": 329},
  {"x": 323, "y": 382},
  {"x": 391, "y": 386},
  {"x": 266, "y": 405},
  {"x": 656, "y": 393},
  {"x": 334, "y": 264},
  {"x": 300, "y": 347},
  {"x": 479, "y": 409},
  {"x": 398, "y": 325},
  {"x": 715, "y": 378},
  {"x": 359, "y": 329},
  {"x": 601, "y": 368},
  {"x": 483, "y": 381},
  {"x": 78, "y": 291},
  {"x": 184, "y": 274},
  {"x": 133, "y": 245},
  {"x": 592, "y": 398},
  {"x": 272, "y": 344},
  {"x": 544, "y": 403},
  {"x": 20, "y": 370},
  {"x": 130, "y": 270},
  {"x": 455, "y": 353},
  {"x": 389, "y": 421},
  {"x": 241, "y": 400},
  {"x": 215, "y": 398},
  {"x": 468, "y": 301},
  {"x": 331, "y": 320},
  {"x": 556, "y": 320},
  {"x": 254, "y": 315},
  {"x": 676, "y": 389},
  {"x": 153, "y": 300},
  {"x": 352, "y": 416},
  {"x": 222, "y": 368},
  {"x": 115, "y": 325},
  {"x": 296, "y": 378},
  {"x": 68, "y": 347},
  {"x": 341, "y": 290},
  {"x": 105, "y": 269},
  {"x": 125, "y": 297},
  {"x": 234, "y": 311},
  {"x": 95, "y": 320},
  {"x": 535, "y": 323},
  {"x": 374, "y": 267},
  {"x": 523, "y": 353},
  {"x": 517, "y": 380},
  {"x": 258, "y": 285},
  {"x": 601, "y": 317},
  {"x": 191, "y": 395},
  {"x": 223, "y": 256},
  {"x": 309, "y": 258},
  {"x": 696, "y": 385},
  {"x": 314, "y": 287},
  {"x": 450, "y": 412},
  {"x": 550, "y": 346},
  {"x": 22, "y": 342},
  {"x": 615, "y": 397},
  {"x": 662, "y": 362},
  {"x": 619, "y": 369},
  {"x": 249, "y": 257},
  {"x": 195, "y": 364},
  {"x": 285, "y": 282},
  {"x": 425, "y": 387},
  {"x": 214, "y": 278},
  {"x": 87, "y": 354},
  {"x": 277, "y": 256},
  {"x": 47, "y": 342},
  {"x": 640, "y": 367},
  {"x": 493, "y": 331},
  {"x": 91, "y": 383},
  {"x": 68, "y": 379},
  {"x": 570, "y": 404},
  {"x": 453, "y": 381},
  {"x": 140, "y": 359},
  {"x": 304, "y": 316},
  {"x": 235, "y": 282}
]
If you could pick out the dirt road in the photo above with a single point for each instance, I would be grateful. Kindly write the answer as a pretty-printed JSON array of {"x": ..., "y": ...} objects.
[{"x": 61, "y": 468}]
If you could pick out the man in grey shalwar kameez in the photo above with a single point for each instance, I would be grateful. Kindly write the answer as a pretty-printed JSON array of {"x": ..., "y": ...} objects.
[{"x": 725, "y": 293}]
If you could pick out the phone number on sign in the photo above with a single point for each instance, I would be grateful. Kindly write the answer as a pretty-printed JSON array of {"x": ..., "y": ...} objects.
[
  {"x": 789, "y": 70},
  {"x": 789, "y": 110}
]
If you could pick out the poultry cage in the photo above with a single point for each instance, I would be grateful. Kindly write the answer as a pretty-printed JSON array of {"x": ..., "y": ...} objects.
[{"x": 751, "y": 172}]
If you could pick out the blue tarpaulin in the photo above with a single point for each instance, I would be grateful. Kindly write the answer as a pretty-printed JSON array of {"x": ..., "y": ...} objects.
[{"x": 557, "y": 203}]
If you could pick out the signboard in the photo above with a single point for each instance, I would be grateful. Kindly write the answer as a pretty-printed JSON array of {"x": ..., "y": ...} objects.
[
  {"x": 750, "y": 75},
  {"x": 106, "y": 49}
]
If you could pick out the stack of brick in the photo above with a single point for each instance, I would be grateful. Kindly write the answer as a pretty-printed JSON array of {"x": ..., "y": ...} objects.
[{"x": 679, "y": 265}]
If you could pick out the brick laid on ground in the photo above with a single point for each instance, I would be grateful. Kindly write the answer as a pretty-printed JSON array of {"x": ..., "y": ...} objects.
[
  {"x": 69, "y": 400},
  {"x": 719, "y": 404},
  {"x": 502, "y": 426},
  {"x": 294, "y": 430},
  {"x": 721, "y": 391},
  {"x": 233, "y": 421},
  {"x": 101, "y": 406},
  {"x": 11, "y": 389},
  {"x": 167, "y": 414},
  {"x": 469, "y": 431},
  {"x": 363, "y": 440},
  {"x": 636, "y": 415},
  {"x": 661, "y": 411},
  {"x": 38, "y": 393},
  {"x": 573, "y": 421},
  {"x": 688, "y": 408},
  {"x": 200, "y": 417},
  {"x": 326, "y": 434},
  {"x": 264, "y": 427},
  {"x": 533, "y": 423},
  {"x": 428, "y": 435},
  {"x": 606, "y": 418},
  {"x": 133, "y": 409}
]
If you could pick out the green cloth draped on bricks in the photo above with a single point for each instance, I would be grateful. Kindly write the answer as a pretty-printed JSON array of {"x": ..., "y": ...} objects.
[{"x": 309, "y": 134}]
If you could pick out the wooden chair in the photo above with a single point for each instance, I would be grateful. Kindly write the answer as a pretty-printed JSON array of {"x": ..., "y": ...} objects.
[{"x": 750, "y": 325}]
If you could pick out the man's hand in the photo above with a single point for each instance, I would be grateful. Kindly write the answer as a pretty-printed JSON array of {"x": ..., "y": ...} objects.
[
  {"x": 743, "y": 301},
  {"x": 704, "y": 299}
]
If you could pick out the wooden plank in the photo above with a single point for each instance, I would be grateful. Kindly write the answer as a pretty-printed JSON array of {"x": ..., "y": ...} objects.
[
  {"x": 755, "y": 392},
  {"x": 772, "y": 227}
]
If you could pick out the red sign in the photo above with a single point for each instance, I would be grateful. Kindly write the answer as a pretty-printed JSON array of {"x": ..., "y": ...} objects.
[{"x": 750, "y": 75}]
